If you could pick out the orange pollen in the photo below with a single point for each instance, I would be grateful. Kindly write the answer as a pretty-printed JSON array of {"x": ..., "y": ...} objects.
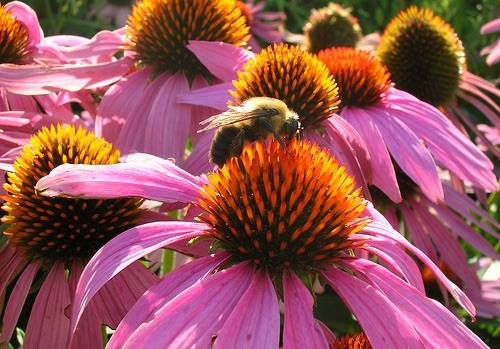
[
  {"x": 296, "y": 77},
  {"x": 352, "y": 341},
  {"x": 245, "y": 10},
  {"x": 13, "y": 38},
  {"x": 362, "y": 79},
  {"x": 283, "y": 206},
  {"x": 160, "y": 30}
]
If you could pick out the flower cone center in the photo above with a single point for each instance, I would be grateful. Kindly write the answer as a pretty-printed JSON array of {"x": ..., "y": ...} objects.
[
  {"x": 361, "y": 78},
  {"x": 13, "y": 38},
  {"x": 423, "y": 54},
  {"x": 293, "y": 76},
  {"x": 282, "y": 207},
  {"x": 62, "y": 229},
  {"x": 331, "y": 26},
  {"x": 159, "y": 31},
  {"x": 352, "y": 341}
]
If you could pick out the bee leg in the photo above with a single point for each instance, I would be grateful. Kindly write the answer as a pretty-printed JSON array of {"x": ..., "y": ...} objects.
[{"x": 265, "y": 124}]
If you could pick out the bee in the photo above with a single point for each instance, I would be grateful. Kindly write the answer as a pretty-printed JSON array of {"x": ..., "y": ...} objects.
[{"x": 254, "y": 119}]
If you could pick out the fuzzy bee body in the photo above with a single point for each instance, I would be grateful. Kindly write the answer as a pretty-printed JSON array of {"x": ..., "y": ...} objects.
[{"x": 254, "y": 119}]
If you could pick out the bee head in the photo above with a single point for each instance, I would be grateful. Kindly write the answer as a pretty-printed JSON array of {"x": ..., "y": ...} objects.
[{"x": 292, "y": 126}]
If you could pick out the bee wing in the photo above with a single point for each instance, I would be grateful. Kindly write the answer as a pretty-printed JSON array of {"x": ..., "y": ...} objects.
[{"x": 234, "y": 115}]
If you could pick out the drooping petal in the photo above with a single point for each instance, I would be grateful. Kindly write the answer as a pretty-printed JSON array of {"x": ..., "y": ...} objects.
[
  {"x": 215, "y": 96},
  {"x": 16, "y": 301},
  {"x": 122, "y": 251},
  {"x": 170, "y": 286},
  {"x": 221, "y": 59},
  {"x": 379, "y": 318},
  {"x": 491, "y": 27},
  {"x": 132, "y": 135},
  {"x": 25, "y": 14},
  {"x": 438, "y": 327},
  {"x": 378, "y": 229},
  {"x": 168, "y": 123},
  {"x": 11, "y": 261},
  {"x": 42, "y": 79},
  {"x": 192, "y": 318},
  {"x": 300, "y": 327},
  {"x": 410, "y": 154},
  {"x": 118, "y": 101},
  {"x": 255, "y": 320},
  {"x": 119, "y": 180},
  {"x": 47, "y": 323},
  {"x": 383, "y": 174}
]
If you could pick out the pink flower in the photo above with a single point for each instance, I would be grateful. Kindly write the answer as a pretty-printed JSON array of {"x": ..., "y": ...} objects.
[
  {"x": 268, "y": 26},
  {"x": 39, "y": 66},
  {"x": 278, "y": 218},
  {"x": 437, "y": 76},
  {"x": 493, "y": 51},
  {"x": 304, "y": 84},
  {"x": 47, "y": 243}
]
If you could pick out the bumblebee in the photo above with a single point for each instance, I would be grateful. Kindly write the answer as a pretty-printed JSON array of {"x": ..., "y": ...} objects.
[{"x": 254, "y": 119}]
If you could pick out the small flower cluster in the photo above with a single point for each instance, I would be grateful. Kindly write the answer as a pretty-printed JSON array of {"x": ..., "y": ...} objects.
[{"x": 273, "y": 182}]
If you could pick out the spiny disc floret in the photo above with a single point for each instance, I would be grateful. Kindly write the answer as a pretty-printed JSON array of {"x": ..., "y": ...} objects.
[
  {"x": 331, "y": 26},
  {"x": 283, "y": 207},
  {"x": 61, "y": 229},
  {"x": 296, "y": 77},
  {"x": 13, "y": 38},
  {"x": 159, "y": 31},
  {"x": 423, "y": 54},
  {"x": 361, "y": 78}
]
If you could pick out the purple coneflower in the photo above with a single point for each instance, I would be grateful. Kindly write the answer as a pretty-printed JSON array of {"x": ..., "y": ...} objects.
[
  {"x": 278, "y": 218},
  {"x": 426, "y": 58},
  {"x": 48, "y": 242}
]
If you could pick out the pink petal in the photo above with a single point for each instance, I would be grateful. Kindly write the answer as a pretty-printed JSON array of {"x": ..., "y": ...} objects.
[
  {"x": 419, "y": 236},
  {"x": 119, "y": 180},
  {"x": 254, "y": 321},
  {"x": 118, "y": 101},
  {"x": 47, "y": 323},
  {"x": 16, "y": 301},
  {"x": 462, "y": 229},
  {"x": 170, "y": 286},
  {"x": 378, "y": 229},
  {"x": 410, "y": 154},
  {"x": 466, "y": 207},
  {"x": 383, "y": 174},
  {"x": 192, "y": 318},
  {"x": 132, "y": 135},
  {"x": 491, "y": 26},
  {"x": 20, "y": 102},
  {"x": 25, "y": 14},
  {"x": 104, "y": 43},
  {"x": 436, "y": 325},
  {"x": 379, "y": 318},
  {"x": 122, "y": 251},
  {"x": 300, "y": 328},
  {"x": 198, "y": 162},
  {"x": 41, "y": 79},
  {"x": 119, "y": 294},
  {"x": 168, "y": 123},
  {"x": 481, "y": 83},
  {"x": 215, "y": 96},
  {"x": 221, "y": 59},
  {"x": 11, "y": 262}
]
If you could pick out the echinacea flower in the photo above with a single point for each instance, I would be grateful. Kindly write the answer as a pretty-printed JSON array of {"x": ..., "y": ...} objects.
[
  {"x": 304, "y": 84},
  {"x": 33, "y": 65},
  {"x": 395, "y": 124},
  {"x": 265, "y": 25},
  {"x": 167, "y": 42},
  {"x": 278, "y": 218},
  {"x": 426, "y": 58},
  {"x": 493, "y": 50},
  {"x": 331, "y": 26},
  {"x": 49, "y": 241}
]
